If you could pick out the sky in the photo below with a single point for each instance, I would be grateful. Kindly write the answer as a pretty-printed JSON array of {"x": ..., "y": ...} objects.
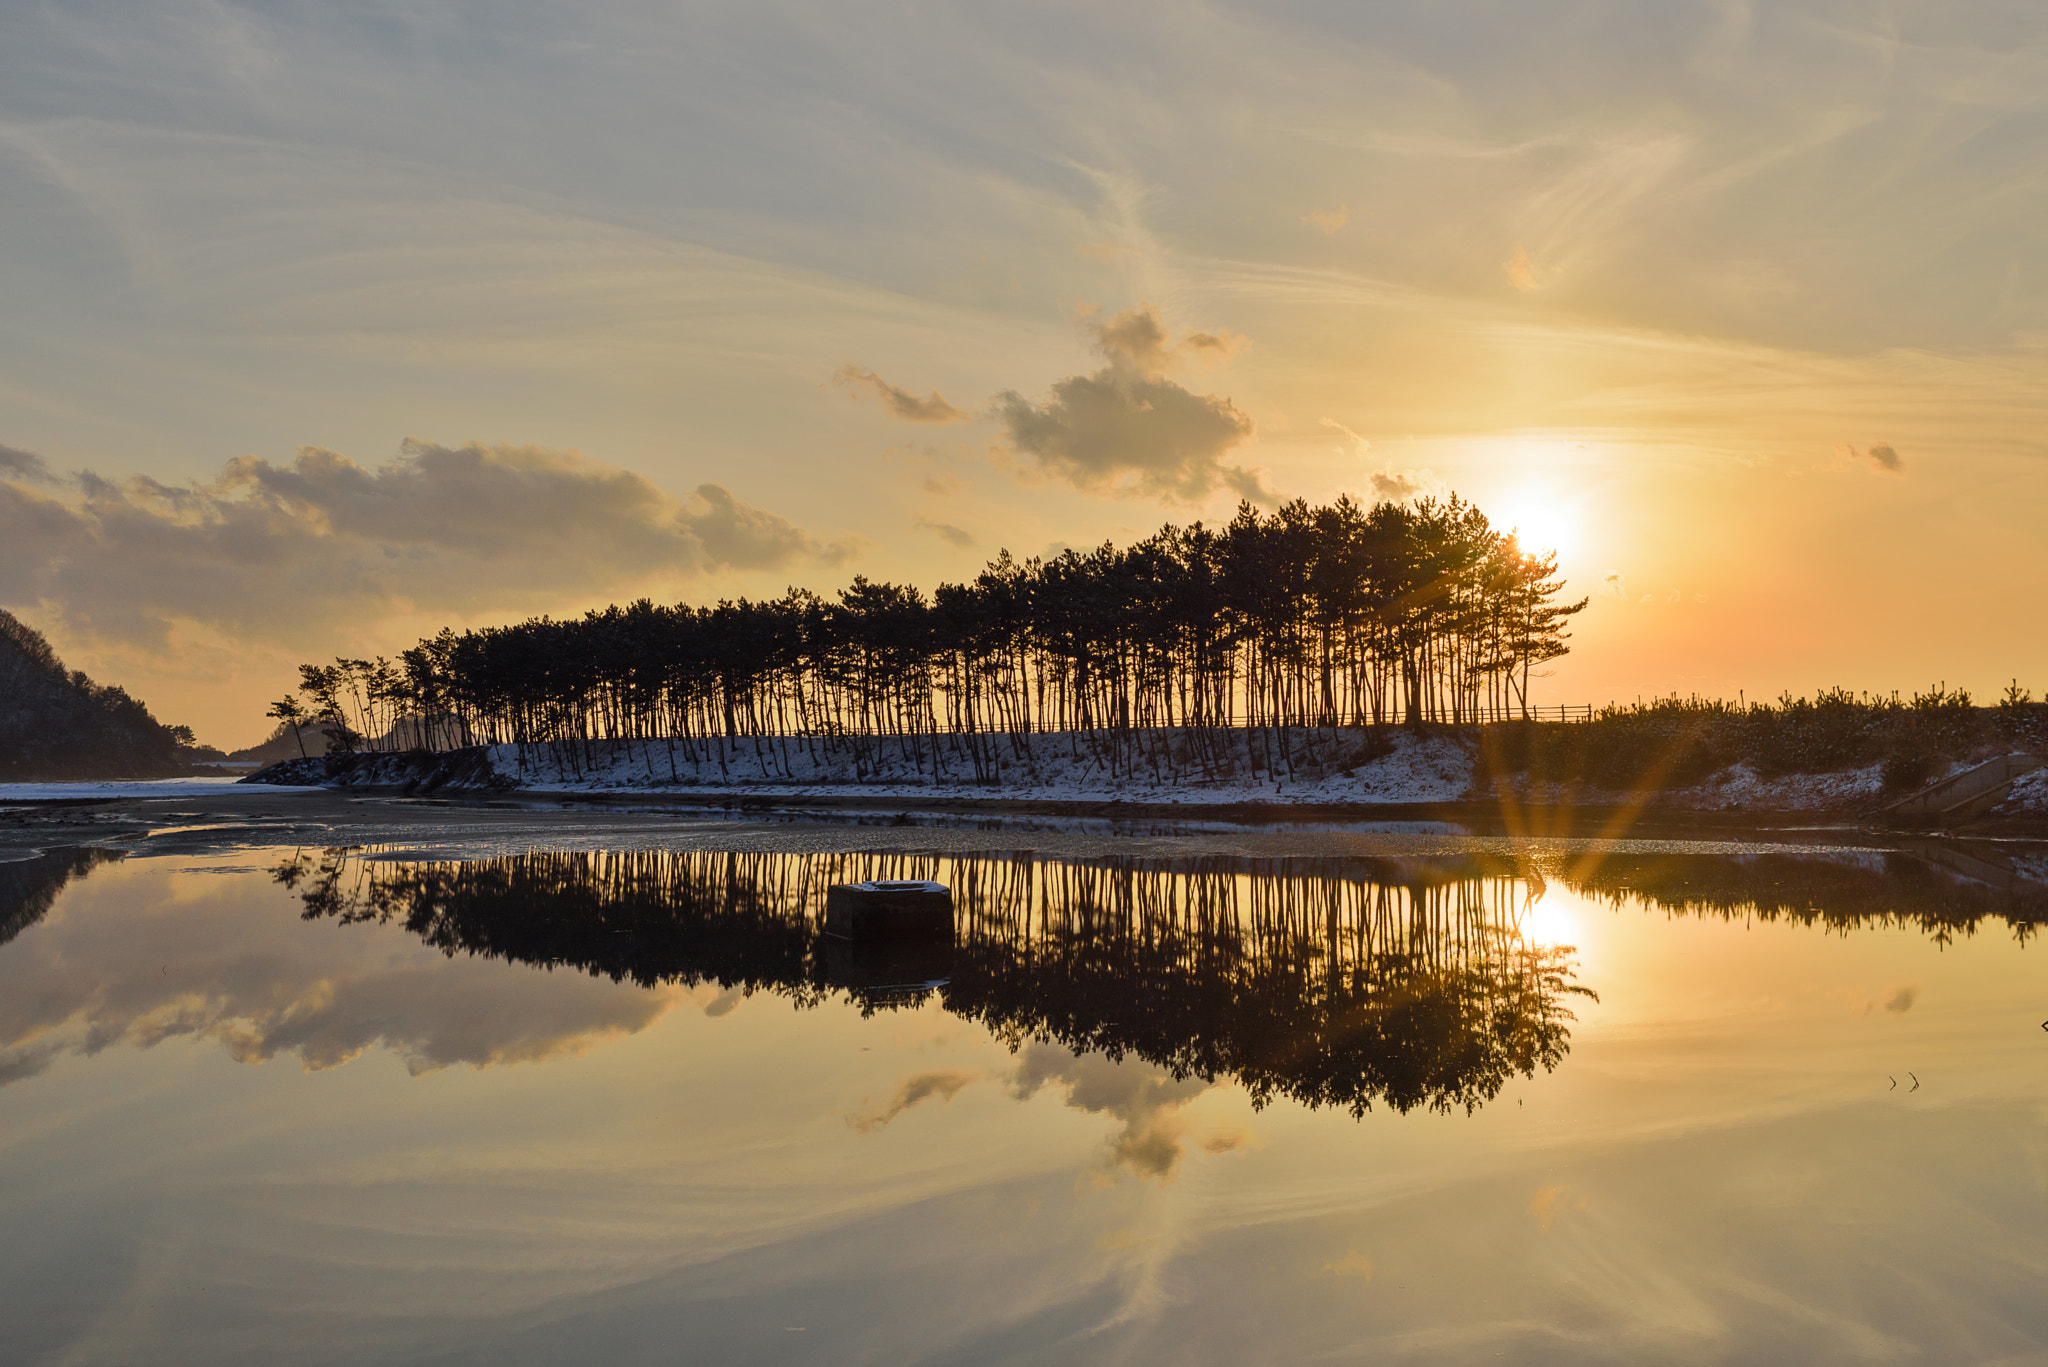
[{"x": 330, "y": 325}]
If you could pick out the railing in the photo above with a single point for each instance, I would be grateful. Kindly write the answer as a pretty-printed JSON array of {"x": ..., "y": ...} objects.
[{"x": 1470, "y": 716}]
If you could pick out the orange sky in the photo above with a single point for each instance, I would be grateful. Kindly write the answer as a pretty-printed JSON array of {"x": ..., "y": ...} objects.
[{"x": 1745, "y": 309}]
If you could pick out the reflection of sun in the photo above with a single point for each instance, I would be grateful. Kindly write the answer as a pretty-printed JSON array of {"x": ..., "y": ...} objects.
[
  {"x": 1541, "y": 520},
  {"x": 1549, "y": 922}
]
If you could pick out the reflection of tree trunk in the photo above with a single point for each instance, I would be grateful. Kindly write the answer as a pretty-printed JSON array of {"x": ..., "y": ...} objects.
[{"x": 1332, "y": 982}]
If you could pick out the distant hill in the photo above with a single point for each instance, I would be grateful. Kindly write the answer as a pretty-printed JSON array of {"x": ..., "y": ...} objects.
[
  {"x": 58, "y": 724},
  {"x": 310, "y": 740}
]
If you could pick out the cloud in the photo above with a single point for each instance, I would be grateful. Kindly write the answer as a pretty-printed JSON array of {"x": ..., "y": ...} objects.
[
  {"x": 1394, "y": 486},
  {"x": 1883, "y": 458},
  {"x": 943, "y": 1084},
  {"x": 1902, "y": 999},
  {"x": 1353, "y": 444},
  {"x": 1611, "y": 584},
  {"x": 1526, "y": 274},
  {"x": 1126, "y": 428},
  {"x": 1548, "y": 1203},
  {"x": 952, "y": 535},
  {"x": 1329, "y": 220},
  {"x": 16, "y": 463},
  {"x": 17, "y": 1065},
  {"x": 1146, "y": 1100},
  {"x": 283, "y": 552},
  {"x": 1353, "y": 1264},
  {"x": 900, "y": 403},
  {"x": 147, "y": 964}
]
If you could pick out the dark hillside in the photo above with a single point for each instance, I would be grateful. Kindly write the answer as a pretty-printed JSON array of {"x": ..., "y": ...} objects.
[{"x": 56, "y": 724}]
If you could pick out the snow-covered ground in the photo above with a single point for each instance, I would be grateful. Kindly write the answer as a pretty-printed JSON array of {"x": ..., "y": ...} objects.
[
  {"x": 112, "y": 788},
  {"x": 1741, "y": 788},
  {"x": 2029, "y": 796},
  {"x": 1313, "y": 768}
]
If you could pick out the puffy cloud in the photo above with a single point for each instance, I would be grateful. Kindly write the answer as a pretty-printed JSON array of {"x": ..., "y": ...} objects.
[
  {"x": 19, "y": 464},
  {"x": 900, "y": 403},
  {"x": 1127, "y": 428},
  {"x": 1885, "y": 458},
  {"x": 1394, "y": 486},
  {"x": 284, "y": 551}
]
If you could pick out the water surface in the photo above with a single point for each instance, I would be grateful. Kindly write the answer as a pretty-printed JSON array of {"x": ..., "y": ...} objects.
[{"x": 1458, "y": 1102}]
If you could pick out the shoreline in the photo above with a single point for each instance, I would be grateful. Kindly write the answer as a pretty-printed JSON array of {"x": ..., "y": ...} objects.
[{"x": 1439, "y": 776}]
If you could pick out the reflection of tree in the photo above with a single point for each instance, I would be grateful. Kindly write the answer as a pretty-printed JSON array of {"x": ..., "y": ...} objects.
[
  {"x": 1335, "y": 983},
  {"x": 1951, "y": 891},
  {"x": 29, "y": 887}
]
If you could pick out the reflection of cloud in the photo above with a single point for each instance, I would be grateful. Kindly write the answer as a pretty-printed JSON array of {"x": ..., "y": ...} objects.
[
  {"x": 1126, "y": 428},
  {"x": 296, "y": 548},
  {"x": 1145, "y": 1099},
  {"x": 725, "y": 1002},
  {"x": 134, "y": 958},
  {"x": 1902, "y": 999},
  {"x": 1548, "y": 1203},
  {"x": 944, "y": 1084},
  {"x": 900, "y": 403},
  {"x": 1885, "y": 458},
  {"x": 1352, "y": 1264}
]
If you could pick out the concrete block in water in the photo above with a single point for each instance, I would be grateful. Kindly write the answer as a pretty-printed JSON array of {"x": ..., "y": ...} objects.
[{"x": 877, "y": 910}]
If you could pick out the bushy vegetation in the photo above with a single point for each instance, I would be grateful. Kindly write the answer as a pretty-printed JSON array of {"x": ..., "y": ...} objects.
[
  {"x": 1672, "y": 742},
  {"x": 59, "y": 724},
  {"x": 1307, "y": 617}
]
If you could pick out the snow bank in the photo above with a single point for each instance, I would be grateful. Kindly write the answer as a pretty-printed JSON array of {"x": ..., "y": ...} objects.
[
  {"x": 1303, "y": 767},
  {"x": 1741, "y": 788},
  {"x": 144, "y": 787},
  {"x": 2029, "y": 796}
]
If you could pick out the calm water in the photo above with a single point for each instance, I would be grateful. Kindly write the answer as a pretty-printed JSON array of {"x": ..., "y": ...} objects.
[{"x": 323, "y": 1106}]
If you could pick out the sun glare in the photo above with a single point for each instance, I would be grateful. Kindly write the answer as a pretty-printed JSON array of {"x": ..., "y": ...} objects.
[{"x": 1540, "y": 519}]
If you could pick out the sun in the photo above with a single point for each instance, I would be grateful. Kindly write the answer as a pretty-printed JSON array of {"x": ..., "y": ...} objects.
[{"x": 1541, "y": 520}]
